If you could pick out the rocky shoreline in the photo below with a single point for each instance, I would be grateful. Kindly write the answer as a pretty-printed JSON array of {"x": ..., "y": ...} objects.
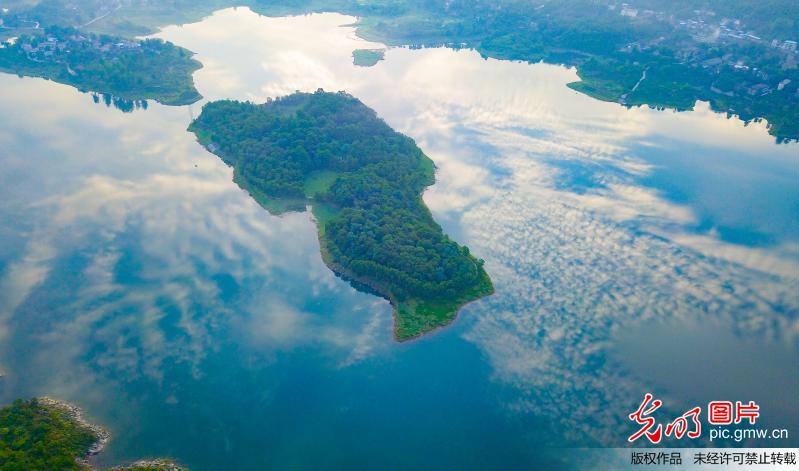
[
  {"x": 75, "y": 414},
  {"x": 156, "y": 464}
]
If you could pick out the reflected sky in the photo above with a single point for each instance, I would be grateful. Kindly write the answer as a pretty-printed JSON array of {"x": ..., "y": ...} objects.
[{"x": 137, "y": 280}]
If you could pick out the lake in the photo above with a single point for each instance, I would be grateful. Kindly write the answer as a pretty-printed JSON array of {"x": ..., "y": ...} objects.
[{"x": 632, "y": 251}]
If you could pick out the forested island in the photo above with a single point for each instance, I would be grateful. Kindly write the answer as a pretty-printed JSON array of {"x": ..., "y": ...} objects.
[
  {"x": 364, "y": 182},
  {"x": 128, "y": 70},
  {"x": 46, "y": 434}
]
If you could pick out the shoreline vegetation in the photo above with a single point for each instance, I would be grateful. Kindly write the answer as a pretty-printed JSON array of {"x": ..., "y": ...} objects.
[
  {"x": 363, "y": 182},
  {"x": 46, "y": 433},
  {"x": 741, "y": 61},
  {"x": 127, "y": 70}
]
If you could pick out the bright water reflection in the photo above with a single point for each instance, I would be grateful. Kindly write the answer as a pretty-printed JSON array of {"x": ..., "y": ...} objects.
[{"x": 140, "y": 282}]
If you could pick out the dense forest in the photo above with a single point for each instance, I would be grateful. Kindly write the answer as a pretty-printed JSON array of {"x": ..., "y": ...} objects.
[
  {"x": 374, "y": 227},
  {"x": 126, "y": 69},
  {"x": 36, "y": 436}
]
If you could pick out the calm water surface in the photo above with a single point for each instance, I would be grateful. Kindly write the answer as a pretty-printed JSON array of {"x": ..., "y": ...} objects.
[{"x": 632, "y": 250}]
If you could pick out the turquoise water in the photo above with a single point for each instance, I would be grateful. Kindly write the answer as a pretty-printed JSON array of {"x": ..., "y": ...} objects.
[{"x": 139, "y": 282}]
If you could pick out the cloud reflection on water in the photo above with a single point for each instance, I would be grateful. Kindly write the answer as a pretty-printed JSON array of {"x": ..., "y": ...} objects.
[
  {"x": 572, "y": 266},
  {"x": 172, "y": 262},
  {"x": 119, "y": 264}
]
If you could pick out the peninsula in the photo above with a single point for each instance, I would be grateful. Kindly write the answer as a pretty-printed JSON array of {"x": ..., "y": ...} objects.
[
  {"x": 740, "y": 57},
  {"x": 123, "y": 68},
  {"x": 364, "y": 182}
]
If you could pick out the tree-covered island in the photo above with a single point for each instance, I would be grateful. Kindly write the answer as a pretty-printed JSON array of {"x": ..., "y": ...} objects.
[
  {"x": 125, "y": 68},
  {"x": 364, "y": 182}
]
